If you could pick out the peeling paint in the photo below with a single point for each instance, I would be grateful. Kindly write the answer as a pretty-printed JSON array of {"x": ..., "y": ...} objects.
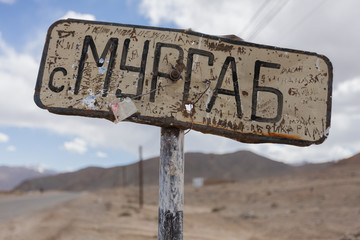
[
  {"x": 226, "y": 86},
  {"x": 189, "y": 107},
  {"x": 90, "y": 101},
  {"x": 317, "y": 64},
  {"x": 102, "y": 70}
]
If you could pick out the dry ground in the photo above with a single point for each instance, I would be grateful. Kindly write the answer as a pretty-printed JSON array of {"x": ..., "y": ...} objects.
[{"x": 320, "y": 205}]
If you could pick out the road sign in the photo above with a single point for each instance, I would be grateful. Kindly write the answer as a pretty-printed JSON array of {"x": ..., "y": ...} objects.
[{"x": 169, "y": 77}]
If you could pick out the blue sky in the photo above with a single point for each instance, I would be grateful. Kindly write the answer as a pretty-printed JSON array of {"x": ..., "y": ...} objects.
[
  {"x": 31, "y": 136},
  {"x": 22, "y": 24}
]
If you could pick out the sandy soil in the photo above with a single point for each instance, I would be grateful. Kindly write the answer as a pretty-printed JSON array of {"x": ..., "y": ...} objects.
[{"x": 319, "y": 205}]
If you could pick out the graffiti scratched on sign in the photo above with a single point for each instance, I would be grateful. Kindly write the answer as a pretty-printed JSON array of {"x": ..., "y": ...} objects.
[{"x": 240, "y": 90}]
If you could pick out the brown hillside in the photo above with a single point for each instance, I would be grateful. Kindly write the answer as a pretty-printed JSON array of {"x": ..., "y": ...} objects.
[
  {"x": 350, "y": 161},
  {"x": 232, "y": 166},
  {"x": 12, "y": 176}
]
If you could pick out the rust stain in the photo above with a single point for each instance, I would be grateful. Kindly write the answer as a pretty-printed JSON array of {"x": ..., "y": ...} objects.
[{"x": 282, "y": 135}]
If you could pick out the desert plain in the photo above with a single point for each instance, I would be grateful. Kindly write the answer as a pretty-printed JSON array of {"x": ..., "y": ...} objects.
[{"x": 310, "y": 205}]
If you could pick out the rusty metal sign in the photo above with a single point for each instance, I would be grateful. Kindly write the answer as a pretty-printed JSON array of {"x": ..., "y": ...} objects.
[{"x": 169, "y": 77}]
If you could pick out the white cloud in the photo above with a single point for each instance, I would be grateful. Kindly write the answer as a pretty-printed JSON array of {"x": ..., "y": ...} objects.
[
  {"x": 293, "y": 155},
  {"x": 75, "y": 15},
  {"x": 3, "y": 138},
  {"x": 213, "y": 17},
  {"x": 101, "y": 154},
  {"x": 11, "y": 148},
  {"x": 306, "y": 25},
  {"x": 346, "y": 111},
  {"x": 349, "y": 87},
  {"x": 17, "y": 74},
  {"x": 77, "y": 145},
  {"x": 7, "y": 1}
]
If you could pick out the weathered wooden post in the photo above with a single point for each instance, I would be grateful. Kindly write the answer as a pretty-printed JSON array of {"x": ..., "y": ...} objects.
[{"x": 171, "y": 184}]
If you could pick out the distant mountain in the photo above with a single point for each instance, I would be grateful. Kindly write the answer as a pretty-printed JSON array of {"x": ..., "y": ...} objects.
[
  {"x": 12, "y": 176},
  {"x": 232, "y": 166},
  {"x": 354, "y": 160}
]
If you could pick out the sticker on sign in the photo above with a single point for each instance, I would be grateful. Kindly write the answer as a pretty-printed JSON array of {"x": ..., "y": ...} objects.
[{"x": 248, "y": 92}]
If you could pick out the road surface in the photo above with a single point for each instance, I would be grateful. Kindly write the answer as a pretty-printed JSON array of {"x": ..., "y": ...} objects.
[{"x": 15, "y": 206}]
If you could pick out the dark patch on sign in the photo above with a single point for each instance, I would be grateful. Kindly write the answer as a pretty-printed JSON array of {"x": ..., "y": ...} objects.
[
  {"x": 241, "y": 50},
  {"x": 293, "y": 92},
  {"x": 219, "y": 47},
  {"x": 180, "y": 66},
  {"x": 64, "y": 34},
  {"x": 133, "y": 34}
]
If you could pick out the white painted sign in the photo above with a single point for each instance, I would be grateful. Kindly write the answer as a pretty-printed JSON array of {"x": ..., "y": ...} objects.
[{"x": 168, "y": 77}]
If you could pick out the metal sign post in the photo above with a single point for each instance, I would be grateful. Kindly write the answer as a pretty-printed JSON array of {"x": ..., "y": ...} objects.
[{"x": 171, "y": 184}]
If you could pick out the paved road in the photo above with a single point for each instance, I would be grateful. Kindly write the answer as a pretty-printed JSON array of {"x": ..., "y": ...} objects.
[{"x": 11, "y": 207}]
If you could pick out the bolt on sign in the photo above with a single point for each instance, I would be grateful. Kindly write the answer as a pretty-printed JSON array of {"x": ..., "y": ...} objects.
[{"x": 168, "y": 77}]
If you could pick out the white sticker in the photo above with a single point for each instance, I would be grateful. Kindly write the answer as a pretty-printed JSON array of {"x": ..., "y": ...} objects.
[{"x": 123, "y": 109}]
